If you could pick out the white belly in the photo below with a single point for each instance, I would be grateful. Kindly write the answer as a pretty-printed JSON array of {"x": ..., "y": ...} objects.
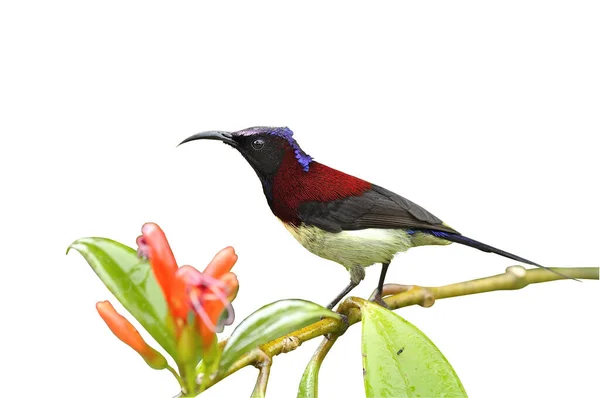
[{"x": 353, "y": 248}]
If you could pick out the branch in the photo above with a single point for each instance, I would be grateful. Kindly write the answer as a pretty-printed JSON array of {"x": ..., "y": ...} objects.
[
  {"x": 515, "y": 277},
  {"x": 260, "y": 389}
]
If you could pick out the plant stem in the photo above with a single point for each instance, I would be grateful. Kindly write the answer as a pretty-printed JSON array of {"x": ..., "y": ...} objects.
[
  {"x": 323, "y": 350},
  {"x": 188, "y": 377},
  {"x": 309, "y": 385},
  {"x": 174, "y": 373},
  {"x": 515, "y": 277},
  {"x": 260, "y": 389}
]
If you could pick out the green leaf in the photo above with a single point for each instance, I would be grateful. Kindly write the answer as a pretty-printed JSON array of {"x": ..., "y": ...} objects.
[
  {"x": 309, "y": 385},
  {"x": 268, "y": 323},
  {"x": 400, "y": 361},
  {"x": 132, "y": 282}
]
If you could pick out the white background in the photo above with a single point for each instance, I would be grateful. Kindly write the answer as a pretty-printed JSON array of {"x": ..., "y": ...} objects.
[{"x": 486, "y": 115}]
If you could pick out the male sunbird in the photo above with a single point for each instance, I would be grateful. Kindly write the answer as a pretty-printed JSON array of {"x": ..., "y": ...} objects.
[{"x": 335, "y": 215}]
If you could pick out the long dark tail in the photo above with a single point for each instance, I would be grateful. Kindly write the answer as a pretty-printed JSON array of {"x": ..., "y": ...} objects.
[{"x": 463, "y": 240}]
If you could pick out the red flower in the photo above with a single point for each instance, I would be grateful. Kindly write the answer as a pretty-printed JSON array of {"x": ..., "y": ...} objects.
[
  {"x": 129, "y": 335},
  {"x": 206, "y": 294}
]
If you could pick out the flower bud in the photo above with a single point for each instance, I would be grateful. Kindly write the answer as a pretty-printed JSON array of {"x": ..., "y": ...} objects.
[
  {"x": 187, "y": 345},
  {"x": 129, "y": 335}
]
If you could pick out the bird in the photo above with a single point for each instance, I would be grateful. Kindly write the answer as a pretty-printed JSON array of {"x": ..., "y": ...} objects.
[{"x": 335, "y": 215}]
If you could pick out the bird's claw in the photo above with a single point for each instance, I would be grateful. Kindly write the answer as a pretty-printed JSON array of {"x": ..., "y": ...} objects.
[{"x": 379, "y": 300}]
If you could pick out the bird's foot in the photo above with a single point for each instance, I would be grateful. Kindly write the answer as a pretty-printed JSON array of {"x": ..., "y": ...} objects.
[{"x": 379, "y": 300}]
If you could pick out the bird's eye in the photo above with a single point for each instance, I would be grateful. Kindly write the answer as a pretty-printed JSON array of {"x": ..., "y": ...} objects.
[{"x": 258, "y": 144}]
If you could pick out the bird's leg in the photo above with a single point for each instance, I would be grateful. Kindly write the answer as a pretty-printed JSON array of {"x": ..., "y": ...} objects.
[
  {"x": 343, "y": 293},
  {"x": 378, "y": 299},
  {"x": 357, "y": 274}
]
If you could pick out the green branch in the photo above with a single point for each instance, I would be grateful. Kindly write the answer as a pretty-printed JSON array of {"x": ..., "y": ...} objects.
[
  {"x": 515, "y": 277},
  {"x": 264, "y": 368}
]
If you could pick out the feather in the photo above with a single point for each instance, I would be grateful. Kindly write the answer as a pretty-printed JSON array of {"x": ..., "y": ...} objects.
[
  {"x": 487, "y": 248},
  {"x": 375, "y": 208}
]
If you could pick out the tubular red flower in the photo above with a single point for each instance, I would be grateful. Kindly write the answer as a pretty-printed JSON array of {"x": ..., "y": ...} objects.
[
  {"x": 232, "y": 283},
  {"x": 210, "y": 297},
  {"x": 153, "y": 245},
  {"x": 208, "y": 294},
  {"x": 129, "y": 335},
  {"x": 156, "y": 248},
  {"x": 221, "y": 263}
]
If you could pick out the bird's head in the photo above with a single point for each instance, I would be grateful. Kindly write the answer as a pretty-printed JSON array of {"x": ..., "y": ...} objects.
[{"x": 265, "y": 148}]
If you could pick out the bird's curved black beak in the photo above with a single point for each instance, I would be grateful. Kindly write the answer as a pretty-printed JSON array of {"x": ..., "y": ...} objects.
[{"x": 212, "y": 135}]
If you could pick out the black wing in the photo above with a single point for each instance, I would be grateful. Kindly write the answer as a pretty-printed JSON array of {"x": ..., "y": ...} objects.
[{"x": 376, "y": 208}]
